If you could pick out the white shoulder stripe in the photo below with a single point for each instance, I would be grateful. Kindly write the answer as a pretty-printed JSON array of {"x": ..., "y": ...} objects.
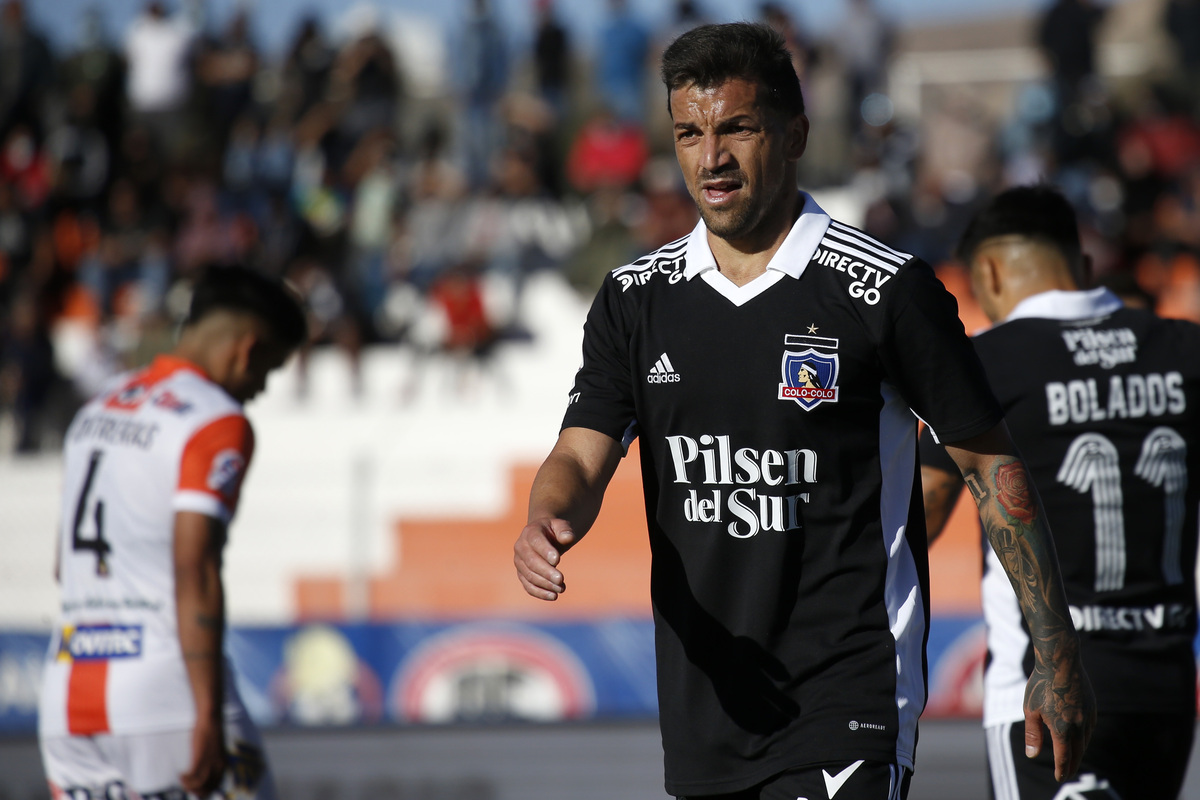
[
  {"x": 869, "y": 258},
  {"x": 847, "y": 234},
  {"x": 865, "y": 246},
  {"x": 668, "y": 251},
  {"x": 850, "y": 230}
]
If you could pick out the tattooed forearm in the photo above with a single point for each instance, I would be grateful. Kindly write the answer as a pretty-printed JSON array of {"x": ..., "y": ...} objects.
[
  {"x": 1057, "y": 693},
  {"x": 1016, "y": 529},
  {"x": 978, "y": 490}
]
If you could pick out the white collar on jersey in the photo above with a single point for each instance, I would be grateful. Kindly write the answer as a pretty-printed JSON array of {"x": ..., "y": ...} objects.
[
  {"x": 792, "y": 256},
  {"x": 1066, "y": 306}
]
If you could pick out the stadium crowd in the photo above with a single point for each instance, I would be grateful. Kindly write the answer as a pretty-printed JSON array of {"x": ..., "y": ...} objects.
[{"x": 413, "y": 215}]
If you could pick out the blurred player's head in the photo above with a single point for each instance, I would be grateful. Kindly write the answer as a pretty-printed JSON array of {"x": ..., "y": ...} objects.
[
  {"x": 1024, "y": 242},
  {"x": 709, "y": 55},
  {"x": 241, "y": 326}
]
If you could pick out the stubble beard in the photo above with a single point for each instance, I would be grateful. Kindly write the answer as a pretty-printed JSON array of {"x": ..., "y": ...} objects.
[{"x": 731, "y": 222}]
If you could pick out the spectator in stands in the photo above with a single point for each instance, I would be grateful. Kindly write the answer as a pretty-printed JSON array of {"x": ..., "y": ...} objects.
[
  {"x": 621, "y": 61},
  {"x": 158, "y": 49},
  {"x": 26, "y": 69},
  {"x": 23, "y": 165},
  {"x": 79, "y": 153},
  {"x": 804, "y": 54},
  {"x": 371, "y": 171},
  {"x": 365, "y": 88},
  {"x": 227, "y": 65},
  {"x": 1181, "y": 20},
  {"x": 687, "y": 16},
  {"x": 305, "y": 71},
  {"x": 552, "y": 58},
  {"x": 1066, "y": 35},
  {"x": 96, "y": 68},
  {"x": 16, "y": 242},
  {"x": 123, "y": 262},
  {"x": 484, "y": 80},
  {"x": 608, "y": 152},
  {"x": 864, "y": 44},
  {"x": 27, "y": 371}
]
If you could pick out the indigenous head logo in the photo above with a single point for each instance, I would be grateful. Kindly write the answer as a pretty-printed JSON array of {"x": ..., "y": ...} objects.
[{"x": 810, "y": 375}]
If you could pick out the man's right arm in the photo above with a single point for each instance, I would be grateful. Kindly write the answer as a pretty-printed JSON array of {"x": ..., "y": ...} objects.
[
  {"x": 563, "y": 504},
  {"x": 941, "y": 484},
  {"x": 941, "y": 490}
]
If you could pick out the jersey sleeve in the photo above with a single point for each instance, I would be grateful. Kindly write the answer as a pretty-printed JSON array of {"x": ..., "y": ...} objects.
[
  {"x": 213, "y": 466},
  {"x": 928, "y": 356},
  {"x": 933, "y": 454},
  {"x": 602, "y": 397}
]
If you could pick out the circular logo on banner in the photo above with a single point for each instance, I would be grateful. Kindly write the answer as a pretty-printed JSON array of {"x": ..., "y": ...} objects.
[{"x": 491, "y": 673}]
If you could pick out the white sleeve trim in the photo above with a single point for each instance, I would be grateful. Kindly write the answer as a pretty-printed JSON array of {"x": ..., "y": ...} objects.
[{"x": 201, "y": 503}]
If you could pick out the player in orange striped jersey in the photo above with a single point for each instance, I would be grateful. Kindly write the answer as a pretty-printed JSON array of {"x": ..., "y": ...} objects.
[{"x": 138, "y": 699}]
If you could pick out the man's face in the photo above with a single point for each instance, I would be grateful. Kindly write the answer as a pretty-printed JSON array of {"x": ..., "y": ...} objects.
[
  {"x": 735, "y": 153},
  {"x": 264, "y": 357}
]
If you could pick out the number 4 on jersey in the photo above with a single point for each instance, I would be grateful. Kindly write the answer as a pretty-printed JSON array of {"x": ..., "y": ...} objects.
[{"x": 96, "y": 543}]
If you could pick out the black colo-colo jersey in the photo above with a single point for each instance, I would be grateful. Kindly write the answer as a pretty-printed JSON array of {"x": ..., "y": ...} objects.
[
  {"x": 778, "y": 451},
  {"x": 1103, "y": 402}
]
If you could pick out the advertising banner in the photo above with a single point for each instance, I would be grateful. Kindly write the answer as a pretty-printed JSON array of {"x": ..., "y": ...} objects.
[{"x": 475, "y": 671}]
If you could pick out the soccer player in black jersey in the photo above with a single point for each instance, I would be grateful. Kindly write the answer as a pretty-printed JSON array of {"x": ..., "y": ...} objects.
[
  {"x": 789, "y": 576},
  {"x": 1103, "y": 402}
]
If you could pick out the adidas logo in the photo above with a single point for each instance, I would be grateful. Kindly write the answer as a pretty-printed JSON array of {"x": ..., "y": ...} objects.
[{"x": 662, "y": 371}]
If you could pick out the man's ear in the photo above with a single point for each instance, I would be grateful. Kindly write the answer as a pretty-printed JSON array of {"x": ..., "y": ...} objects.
[
  {"x": 989, "y": 275},
  {"x": 797, "y": 137},
  {"x": 243, "y": 349}
]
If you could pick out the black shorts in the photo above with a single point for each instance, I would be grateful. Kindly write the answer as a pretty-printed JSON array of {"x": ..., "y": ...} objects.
[
  {"x": 1130, "y": 757},
  {"x": 857, "y": 780}
]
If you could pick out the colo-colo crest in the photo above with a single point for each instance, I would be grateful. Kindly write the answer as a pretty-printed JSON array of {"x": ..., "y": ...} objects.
[{"x": 809, "y": 375}]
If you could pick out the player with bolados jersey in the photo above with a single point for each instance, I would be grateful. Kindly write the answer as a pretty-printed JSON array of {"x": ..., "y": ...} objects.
[
  {"x": 1104, "y": 403},
  {"x": 137, "y": 698},
  {"x": 789, "y": 576}
]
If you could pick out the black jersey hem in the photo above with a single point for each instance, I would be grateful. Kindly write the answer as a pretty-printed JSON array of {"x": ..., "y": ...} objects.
[
  {"x": 777, "y": 766},
  {"x": 594, "y": 423}
]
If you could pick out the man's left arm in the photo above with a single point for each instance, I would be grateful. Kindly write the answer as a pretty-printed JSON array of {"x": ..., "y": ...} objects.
[
  {"x": 1058, "y": 693},
  {"x": 200, "y": 611}
]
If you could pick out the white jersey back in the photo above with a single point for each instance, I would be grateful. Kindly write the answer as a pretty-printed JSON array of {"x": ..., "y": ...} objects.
[{"x": 164, "y": 439}]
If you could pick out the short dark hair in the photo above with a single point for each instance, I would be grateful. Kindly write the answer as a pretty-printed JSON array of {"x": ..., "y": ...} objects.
[
  {"x": 709, "y": 55},
  {"x": 1038, "y": 212},
  {"x": 238, "y": 288}
]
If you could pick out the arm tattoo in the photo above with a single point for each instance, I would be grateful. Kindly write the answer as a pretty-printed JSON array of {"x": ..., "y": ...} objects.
[
  {"x": 209, "y": 621},
  {"x": 1015, "y": 526},
  {"x": 978, "y": 490}
]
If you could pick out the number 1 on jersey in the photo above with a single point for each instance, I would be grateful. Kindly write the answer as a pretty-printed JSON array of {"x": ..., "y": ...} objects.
[
  {"x": 1092, "y": 465},
  {"x": 96, "y": 543}
]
